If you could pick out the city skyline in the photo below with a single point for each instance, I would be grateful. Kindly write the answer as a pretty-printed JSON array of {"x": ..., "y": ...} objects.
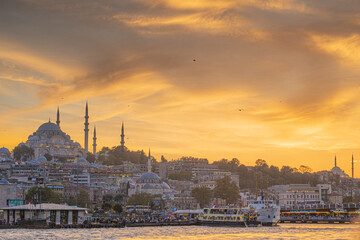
[{"x": 253, "y": 79}]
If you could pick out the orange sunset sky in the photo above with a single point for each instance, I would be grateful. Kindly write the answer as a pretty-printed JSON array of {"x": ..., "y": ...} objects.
[{"x": 292, "y": 67}]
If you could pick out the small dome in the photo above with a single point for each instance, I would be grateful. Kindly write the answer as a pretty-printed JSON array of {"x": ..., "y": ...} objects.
[
  {"x": 3, "y": 181},
  {"x": 166, "y": 186},
  {"x": 33, "y": 138},
  {"x": 49, "y": 126},
  {"x": 148, "y": 186},
  {"x": 42, "y": 159},
  {"x": 60, "y": 143},
  {"x": 149, "y": 175},
  {"x": 4, "y": 151},
  {"x": 32, "y": 163},
  {"x": 82, "y": 161}
]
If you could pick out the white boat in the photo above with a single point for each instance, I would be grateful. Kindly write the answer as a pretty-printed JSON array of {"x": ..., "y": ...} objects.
[
  {"x": 228, "y": 217},
  {"x": 268, "y": 212}
]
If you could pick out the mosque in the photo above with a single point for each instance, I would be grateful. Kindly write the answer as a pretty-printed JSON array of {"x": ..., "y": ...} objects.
[
  {"x": 50, "y": 139},
  {"x": 338, "y": 171},
  {"x": 150, "y": 183}
]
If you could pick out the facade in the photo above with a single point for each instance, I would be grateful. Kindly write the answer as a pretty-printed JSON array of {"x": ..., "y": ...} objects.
[
  {"x": 7, "y": 192},
  {"x": 53, "y": 213},
  {"x": 297, "y": 194}
]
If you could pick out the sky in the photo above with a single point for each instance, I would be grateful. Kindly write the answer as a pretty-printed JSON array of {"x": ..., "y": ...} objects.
[{"x": 277, "y": 80}]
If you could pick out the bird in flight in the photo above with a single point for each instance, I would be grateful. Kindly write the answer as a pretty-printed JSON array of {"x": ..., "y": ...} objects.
[
  {"x": 240, "y": 109},
  {"x": 194, "y": 60}
]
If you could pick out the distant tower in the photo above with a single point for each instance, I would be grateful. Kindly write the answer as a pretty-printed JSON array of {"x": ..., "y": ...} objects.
[
  {"x": 149, "y": 162},
  {"x": 352, "y": 166},
  {"x": 86, "y": 128},
  {"x": 94, "y": 141},
  {"x": 122, "y": 138},
  {"x": 58, "y": 117},
  {"x": 335, "y": 160}
]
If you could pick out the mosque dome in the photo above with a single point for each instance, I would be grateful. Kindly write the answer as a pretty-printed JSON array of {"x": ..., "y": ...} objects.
[
  {"x": 33, "y": 138},
  {"x": 149, "y": 177},
  {"x": 3, "y": 181},
  {"x": 4, "y": 151},
  {"x": 336, "y": 170},
  {"x": 42, "y": 159},
  {"x": 82, "y": 161},
  {"x": 49, "y": 126}
]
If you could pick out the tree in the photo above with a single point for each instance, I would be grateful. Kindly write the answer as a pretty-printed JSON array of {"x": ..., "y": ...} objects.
[
  {"x": 118, "y": 198},
  {"x": 260, "y": 162},
  {"x": 118, "y": 208},
  {"x": 305, "y": 169},
  {"x": 43, "y": 194},
  {"x": 83, "y": 199},
  {"x": 48, "y": 157},
  {"x": 90, "y": 158},
  {"x": 202, "y": 195},
  {"x": 226, "y": 189},
  {"x": 23, "y": 153},
  {"x": 141, "y": 199},
  {"x": 106, "y": 206}
]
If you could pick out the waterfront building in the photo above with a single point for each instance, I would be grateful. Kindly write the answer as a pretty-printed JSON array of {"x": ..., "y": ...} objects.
[
  {"x": 7, "y": 192},
  {"x": 53, "y": 213},
  {"x": 299, "y": 194}
]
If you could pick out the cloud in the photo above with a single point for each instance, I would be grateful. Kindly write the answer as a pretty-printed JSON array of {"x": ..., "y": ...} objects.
[{"x": 178, "y": 71}]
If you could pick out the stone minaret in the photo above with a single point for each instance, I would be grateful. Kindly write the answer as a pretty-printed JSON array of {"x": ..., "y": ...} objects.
[
  {"x": 352, "y": 166},
  {"x": 86, "y": 128},
  {"x": 94, "y": 141},
  {"x": 58, "y": 117},
  {"x": 122, "y": 137},
  {"x": 149, "y": 162},
  {"x": 335, "y": 160}
]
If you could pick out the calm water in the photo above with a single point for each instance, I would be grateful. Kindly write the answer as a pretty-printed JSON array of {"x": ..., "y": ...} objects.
[{"x": 284, "y": 231}]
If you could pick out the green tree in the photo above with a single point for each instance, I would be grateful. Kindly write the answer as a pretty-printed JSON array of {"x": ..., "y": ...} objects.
[
  {"x": 260, "y": 162},
  {"x": 118, "y": 198},
  {"x": 23, "y": 153},
  {"x": 202, "y": 195},
  {"x": 118, "y": 208},
  {"x": 305, "y": 169},
  {"x": 90, "y": 158},
  {"x": 226, "y": 189},
  {"x": 46, "y": 195},
  {"x": 83, "y": 199},
  {"x": 141, "y": 199},
  {"x": 106, "y": 206},
  {"x": 48, "y": 157}
]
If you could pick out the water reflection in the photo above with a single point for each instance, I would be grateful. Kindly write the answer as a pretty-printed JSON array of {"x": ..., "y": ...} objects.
[{"x": 284, "y": 231}]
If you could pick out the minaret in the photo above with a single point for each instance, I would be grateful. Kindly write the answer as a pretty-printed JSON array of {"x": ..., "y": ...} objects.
[
  {"x": 58, "y": 117},
  {"x": 86, "y": 128},
  {"x": 94, "y": 141},
  {"x": 149, "y": 162},
  {"x": 335, "y": 160},
  {"x": 352, "y": 166},
  {"x": 122, "y": 138}
]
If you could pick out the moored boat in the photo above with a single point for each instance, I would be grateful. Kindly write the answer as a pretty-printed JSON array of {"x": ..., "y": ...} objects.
[{"x": 228, "y": 217}]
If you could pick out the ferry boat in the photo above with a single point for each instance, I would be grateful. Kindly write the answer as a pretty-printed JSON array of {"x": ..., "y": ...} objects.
[
  {"x": 228, "y": 217},
  {"x": 268, "y": 212}
]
